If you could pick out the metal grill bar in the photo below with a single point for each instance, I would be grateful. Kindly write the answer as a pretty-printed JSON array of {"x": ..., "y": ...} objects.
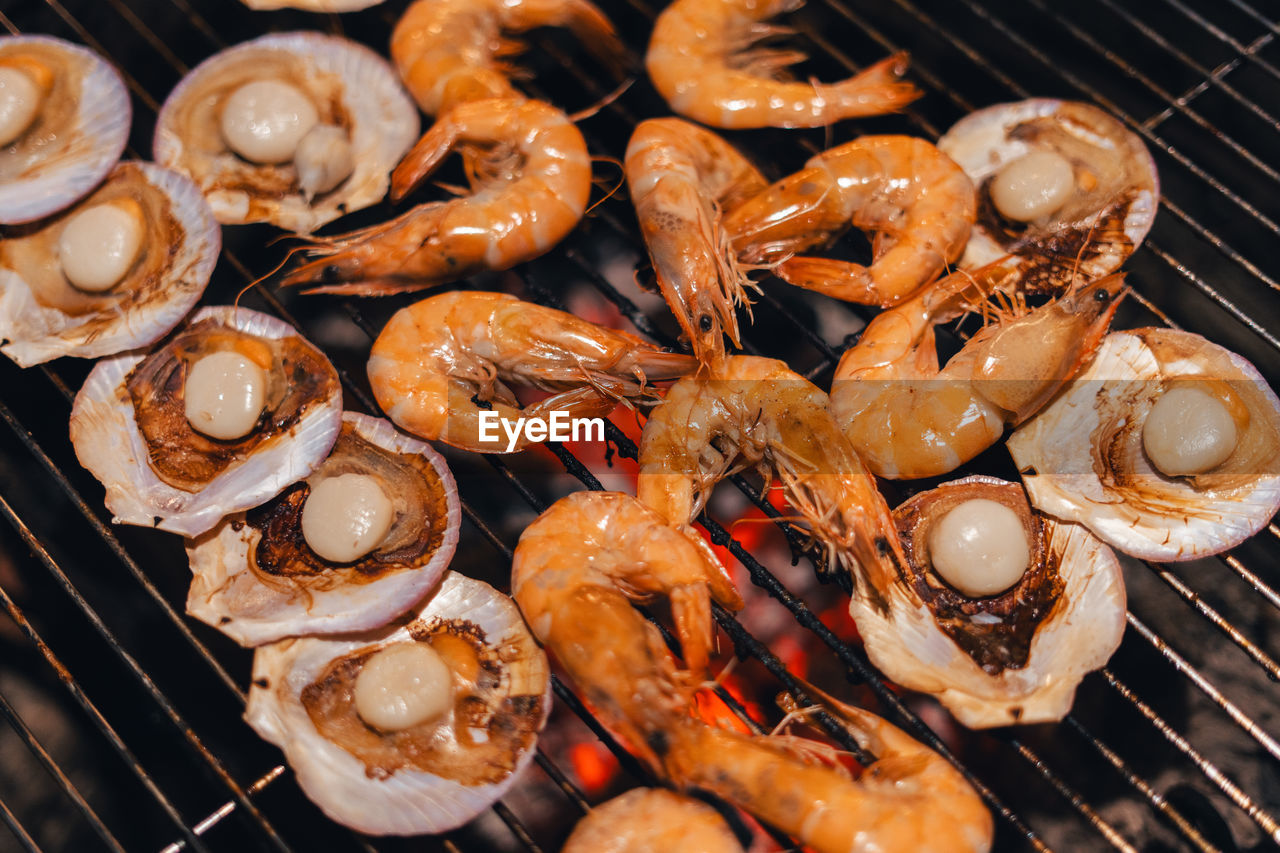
[
  {"x": 126, "y": 755},
  {"x": 56, "y": 773}
]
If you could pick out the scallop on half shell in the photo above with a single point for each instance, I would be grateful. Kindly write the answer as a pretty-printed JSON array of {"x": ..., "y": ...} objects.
[
  {"x": 64, "y": 129},
  {"x": 129, "y": 423},
  {"x": 1088, "y": 457},
  {"x": 360, "y": 120},
  {"x": 431, "y": 775},
  {"x": 257, "y": 579},
  {"x": 1084, "y": 189},
  {"x": 43, "y": 315},
  {"x": 1013, "y": 655}
]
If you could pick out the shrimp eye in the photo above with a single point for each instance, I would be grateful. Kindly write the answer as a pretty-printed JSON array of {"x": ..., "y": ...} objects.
[
  {"x": 331, "y": 272},
  {"x": 705, "y": 322},
  {"x": 1101, "y": 296}
]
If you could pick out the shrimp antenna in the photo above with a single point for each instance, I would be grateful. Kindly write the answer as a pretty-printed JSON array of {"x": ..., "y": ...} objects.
[
  {"x": 618, "y": 92},
  {"x": 621, "y": 180},
  {"x": 260, "y": 279}
]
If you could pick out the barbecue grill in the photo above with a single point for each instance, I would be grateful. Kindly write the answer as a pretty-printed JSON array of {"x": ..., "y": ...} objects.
[{"x": 124, "y": 728}]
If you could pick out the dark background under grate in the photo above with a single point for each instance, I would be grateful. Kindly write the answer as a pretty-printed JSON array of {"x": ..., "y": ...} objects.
[{"x": 123, "y": 716}]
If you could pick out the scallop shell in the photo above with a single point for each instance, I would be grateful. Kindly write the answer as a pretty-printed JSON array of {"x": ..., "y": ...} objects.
[
  {"x": 1082, "y": 457},
  {"x": 384, "y": 125},
  {"x": 1079, "y": 634},
  {"x": 408, "y": 801},
  {"x": 38, "y": 333},
  {"x": 73, "y": 163},
  {"x": 313, "y": 5},
  {"x": 227, "y": 594},
  {"x": 108, "y": 443},
  {"x": 981, "y": 143}
]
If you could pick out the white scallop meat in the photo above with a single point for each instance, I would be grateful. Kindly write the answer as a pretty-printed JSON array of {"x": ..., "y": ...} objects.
[
  {"x": 409, "y": 800},
  {"x": 109, "y": 443},
  {"x": 1105, "y": 218},
  {"x": 165, "y": 284},
  {"x": 76, "y": 138},
  {"x": 253, "y": 608},
  {"x": 357, "y": 85},
  {"x": 1083, "y": 458},
  {"x": 1081, "y": 630}
]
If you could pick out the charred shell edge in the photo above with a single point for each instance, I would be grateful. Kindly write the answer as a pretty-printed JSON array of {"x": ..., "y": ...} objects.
[
  {"x": 335, "y": 779},
  {"x": 1164, "y": 537},
  {"x": 103, "y": 112},
  {"x": 908, "y": 647},
  {"x": 108, "y": 443},
  {"x": 982, "y": 249},
  {"x": 223, "y": 553},
  {"x": 191, "y": 265},
  {"x": 384, "y": 128}
]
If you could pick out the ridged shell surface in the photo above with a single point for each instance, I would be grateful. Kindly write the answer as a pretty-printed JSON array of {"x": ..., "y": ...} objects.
[
  {"x": 37, "y": 333},
  {"x": 109, "y": 444},
  {"x": 384, "y": 125},
  {"x": 408, "y": 801},
  {"x": 37, "y": 183},
  {"x": 227, "y": 594}
]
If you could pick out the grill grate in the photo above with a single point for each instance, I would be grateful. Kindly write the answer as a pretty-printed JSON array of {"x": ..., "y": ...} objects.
[{"x": 1194, "y": 79}]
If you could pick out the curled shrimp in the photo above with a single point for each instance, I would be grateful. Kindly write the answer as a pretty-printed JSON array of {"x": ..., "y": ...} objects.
[
  {"x": 575, "y": 572},
  {"x": 529, "y": 191},
  {"x": 647, "y": 819},
  {"x": 681, "y": 177},
  {"x": 440, "y": 363},
  {"x": 917, "y": 201},
  {"x": 756, "y": 412},
  {"x": 702, "y": 59},
  {"x": 909, "y": 418},
  {"x": 452, "y": 51}
]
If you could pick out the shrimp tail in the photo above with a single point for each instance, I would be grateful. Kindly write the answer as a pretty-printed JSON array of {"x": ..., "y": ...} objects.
[
  {"x": 426, "y": 155},
  {"x": 877, "y": 90},
  {"x": 597, "y": 34}
]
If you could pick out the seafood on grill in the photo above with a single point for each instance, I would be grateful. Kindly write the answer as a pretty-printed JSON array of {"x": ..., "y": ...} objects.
[
  {"x": 450, "y": 52},
  {"x": 644, "y": 820},
  {"x": 352, "y": 546},
  {"x": 917, "y": 202},
  {"x": 704, "y": 61},
  {"x": 530, "y": 178},
  {"x": 1167, "y": 447},
  {"x": 909, "y": 417},
  {"x": 440, "y": 364},
  {"x": 64, "y": 122},
  {"x": 1064, "y": 186},
  {"x": 416, "y": 727},
  {"x": 577, "y": 569},
  {"x": 219, "y": 417},
  {"x": 295, "y": 129},
  {"x": 114, "y": 272},
  {"x": 1000, "y": 611},
  {"x": 682, "y": 178},
  {"x": 757, "y": 413}
]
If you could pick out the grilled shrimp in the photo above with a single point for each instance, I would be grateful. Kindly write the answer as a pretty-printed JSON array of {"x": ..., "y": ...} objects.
[
  {"x": 441, "y": 362},
  {"x": 918, "y": 202},
  {"x": 529, "y": 192},
  {"x": 576, "y": 570},
  {"x": 681, "y": 177},
  {"x": 909, "y": 418},
  {"x": 757, "y": 413},
  {"x": 702, "y": 60},
  {"x": 452, "y": 51}
]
